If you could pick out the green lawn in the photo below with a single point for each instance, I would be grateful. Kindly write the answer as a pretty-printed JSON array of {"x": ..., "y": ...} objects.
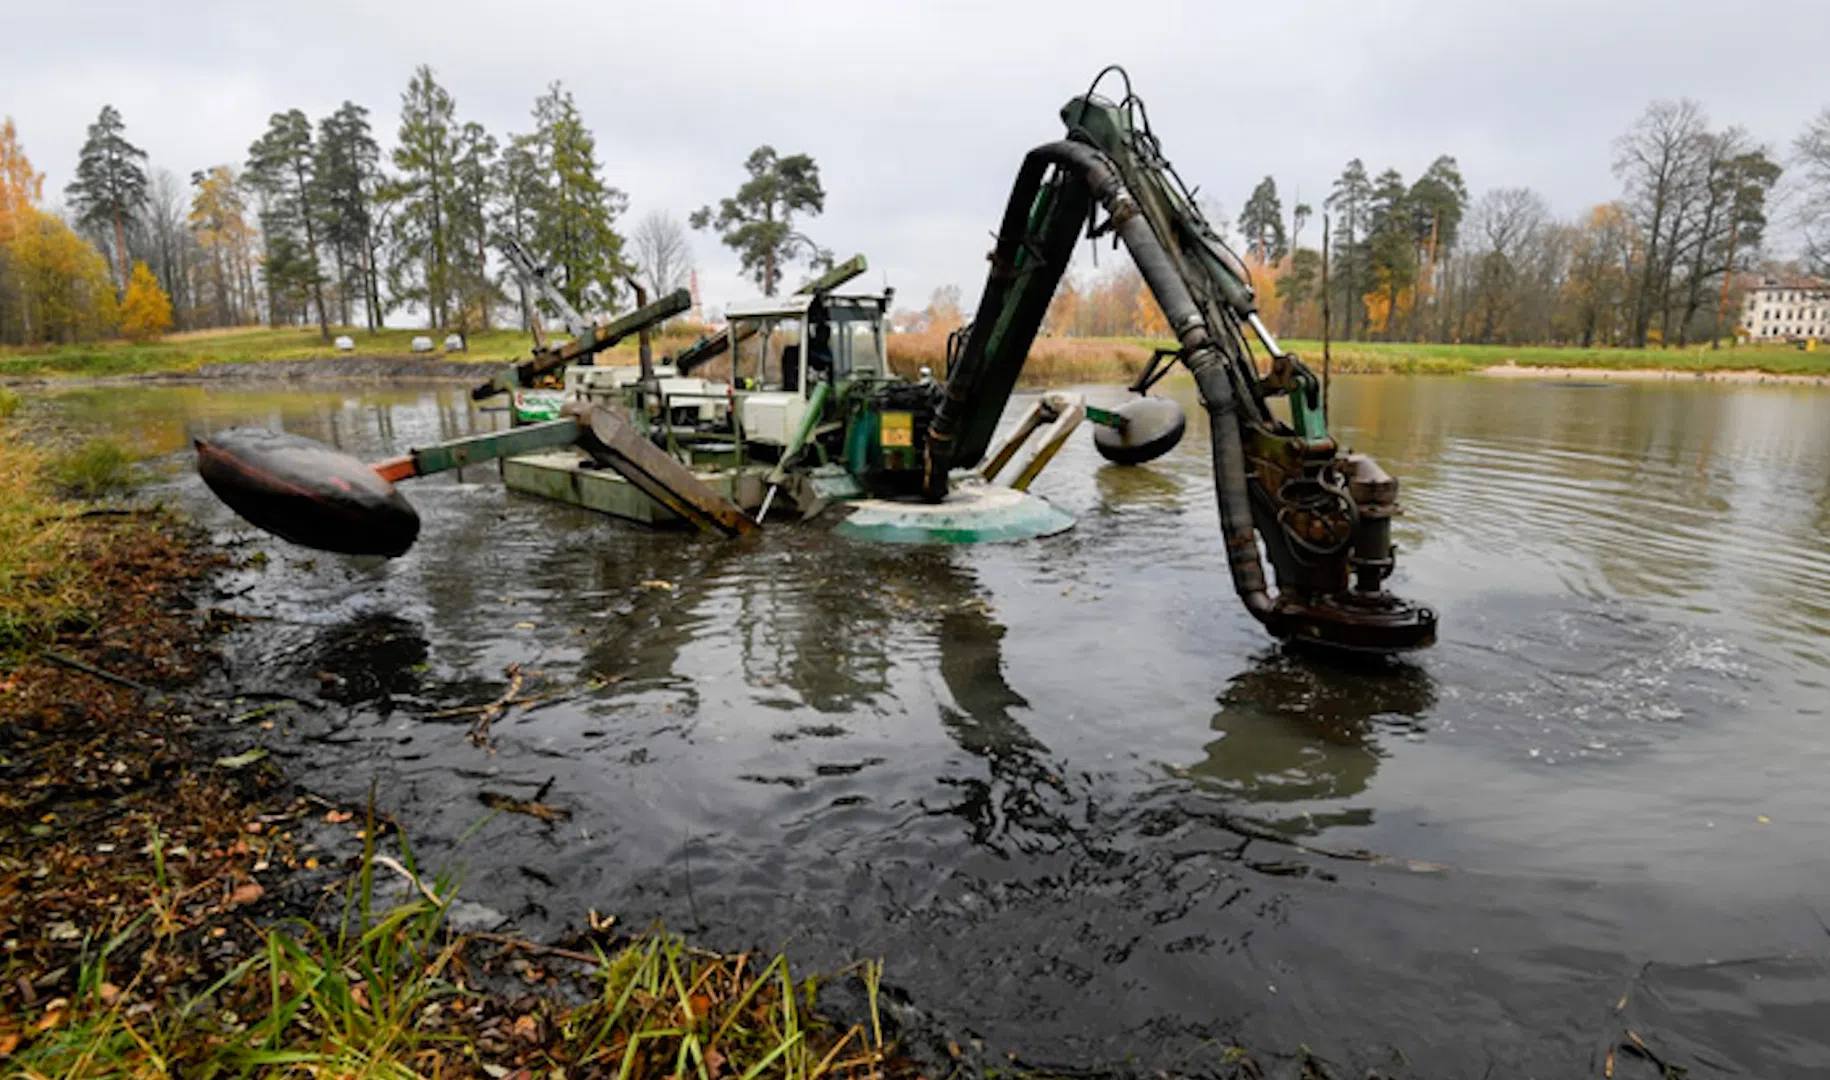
[
  {"x": 1406, "y": 358},
  {"x": 188, "y": 352}
]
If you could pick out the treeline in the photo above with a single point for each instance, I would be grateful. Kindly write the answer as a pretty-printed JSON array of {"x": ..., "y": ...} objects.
[
  {"x": 1421, "y": 260},
  {"x": 317, "y": 226}
]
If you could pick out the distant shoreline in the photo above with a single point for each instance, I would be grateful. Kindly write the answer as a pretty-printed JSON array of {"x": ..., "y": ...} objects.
[{"x": 1651, "y": 374}]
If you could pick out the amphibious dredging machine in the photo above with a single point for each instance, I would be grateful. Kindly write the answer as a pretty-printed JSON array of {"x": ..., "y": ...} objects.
[{"x": 811, "y": 417}]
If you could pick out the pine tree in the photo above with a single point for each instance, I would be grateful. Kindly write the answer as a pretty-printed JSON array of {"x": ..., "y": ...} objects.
[
  {"x": 575, "y": 218},
  {"x": 282, "y": 166},
  {"x": 1352, "y": 192},
  {"x": 1438, "y": 200},
  {"x": 110, "y": 186},
  {"x": 472, "y": 180},
  {"x": 1262, "y": 223},
  {"x": 420, "y": 265},
  {"x": 1390, "y": 253},
  {"x": 758, "y": 222},
  {"x": 520, "y": 187},
  {"x": 348, "y": 171}
]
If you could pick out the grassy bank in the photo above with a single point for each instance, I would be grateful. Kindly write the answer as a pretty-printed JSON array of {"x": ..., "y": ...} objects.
[
  {"x": 1380, "y": 357},
  {"x": 188, "y": 352},
  {"x": 1057, "y": 361}
]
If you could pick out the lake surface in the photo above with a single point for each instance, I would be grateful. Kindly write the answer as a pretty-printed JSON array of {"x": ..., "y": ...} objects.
[{"x": 1074, "y": 796}]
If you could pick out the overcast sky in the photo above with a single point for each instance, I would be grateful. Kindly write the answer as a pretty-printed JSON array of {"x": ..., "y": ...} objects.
[{"x": 919, "y": 113}]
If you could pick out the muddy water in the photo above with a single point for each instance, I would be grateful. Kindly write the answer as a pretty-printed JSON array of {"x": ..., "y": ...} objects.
[{"x": 1069, "y": 790}]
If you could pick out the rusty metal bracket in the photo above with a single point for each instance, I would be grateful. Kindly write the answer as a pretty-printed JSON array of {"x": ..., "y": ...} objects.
[{"x": 613, "y": 441}]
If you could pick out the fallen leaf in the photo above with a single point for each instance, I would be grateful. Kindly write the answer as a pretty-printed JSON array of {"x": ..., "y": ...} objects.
[
  {"x": 526, "y": 1027},
  {"x": 53, "y": 1017},
  {"x": 496, "y": 1072},
  {"x": 337, "y": 817},
  {"x": 9, "y": 1042},
  {"x": 246, "y": 894},
  {"x": 1764, "y": 820},
  {"x": 657, "y": 583},
  {"x": 109, "y": 993},
  {"x": 511, "y": 805},
  {"x": 63, "y": 931},
  {"x": 242, "y": 760},
  {"x": 524, "y": 626}
]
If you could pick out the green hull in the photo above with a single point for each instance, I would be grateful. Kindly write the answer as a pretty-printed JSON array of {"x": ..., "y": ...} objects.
[
  {"x": 563, "y": 476},
  {"x": 970, "y": 514}
]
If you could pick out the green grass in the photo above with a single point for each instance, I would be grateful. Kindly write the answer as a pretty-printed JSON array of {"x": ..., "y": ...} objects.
[
  {"x": 384, "y": 993},
  {"x": 1382, "y": 357},
  {"x": 96, "y": 468},
  {"x": 188, "y": 352}
]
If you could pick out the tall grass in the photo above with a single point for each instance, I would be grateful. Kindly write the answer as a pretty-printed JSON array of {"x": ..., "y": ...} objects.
[
  {"x": 42, "y": 570},
  {"x": 384, "y": 993},
  {"x": 96, "y": 468}
]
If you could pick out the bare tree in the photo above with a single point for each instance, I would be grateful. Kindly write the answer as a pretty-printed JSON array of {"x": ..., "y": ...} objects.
[
  {"x": 169, "y": 246},
  {"x": 1506, "y": 223},
  {"x": 1659, "y": 161},
  {"x": 1811, "y": 157},
  {"x": 662, "y": 255}
]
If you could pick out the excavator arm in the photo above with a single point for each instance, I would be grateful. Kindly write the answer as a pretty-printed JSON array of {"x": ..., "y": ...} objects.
[{"x": 1322, "y": 515}]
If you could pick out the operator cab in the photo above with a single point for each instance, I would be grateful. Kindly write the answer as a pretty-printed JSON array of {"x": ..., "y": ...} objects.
[{"x": 786, "y": 345}]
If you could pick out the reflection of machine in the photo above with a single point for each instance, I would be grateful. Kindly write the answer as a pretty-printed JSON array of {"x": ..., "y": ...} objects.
[
  {"x": 1293, "y": 731},
  {"x": 814, "y": 415}
]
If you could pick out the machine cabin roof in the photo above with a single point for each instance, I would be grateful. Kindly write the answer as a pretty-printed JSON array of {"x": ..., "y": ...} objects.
[{"x": 770, "y": 307}]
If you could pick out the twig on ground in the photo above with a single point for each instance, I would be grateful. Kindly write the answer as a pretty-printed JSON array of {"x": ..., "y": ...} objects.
[
  {"x": 90, "y": 669},
  {"x": 394, "y": 865},
  {"x": 479, "y": 731},
  {"x": 534, "y": 947}
]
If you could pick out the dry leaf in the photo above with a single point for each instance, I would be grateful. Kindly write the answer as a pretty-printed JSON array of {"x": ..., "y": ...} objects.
[
  {"x": 8, "y": 1043},
  {"x": 512, "y": 805},
  {"x": 657, "y": 583},
  {"x": 526, "y": 1027},
  {"x": 246, "y": 894},
  {"x": 337, "y": 817}
]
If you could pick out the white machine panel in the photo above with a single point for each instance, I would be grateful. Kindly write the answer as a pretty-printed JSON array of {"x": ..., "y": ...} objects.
[{"x": 772, "y": 417}]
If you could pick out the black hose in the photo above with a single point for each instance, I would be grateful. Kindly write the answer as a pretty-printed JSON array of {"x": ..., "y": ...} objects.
[{"x": 1199, "y": 353}]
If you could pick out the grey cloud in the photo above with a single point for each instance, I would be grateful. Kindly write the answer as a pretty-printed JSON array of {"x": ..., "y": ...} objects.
[{"x": 918, "y": 112}]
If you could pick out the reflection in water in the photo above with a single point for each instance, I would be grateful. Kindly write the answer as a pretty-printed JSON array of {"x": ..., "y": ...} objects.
[
  {"x": 1126, "y": 485},
  {"x": 370, "y": 658},
  {"x": 1295, "y": 729},
  {"x": 1021, "y": 791}
]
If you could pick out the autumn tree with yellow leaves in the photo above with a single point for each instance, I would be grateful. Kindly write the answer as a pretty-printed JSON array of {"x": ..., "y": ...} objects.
[
  {"x": 54, "y": 285},
  {"x": 146, "y": 312}
]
